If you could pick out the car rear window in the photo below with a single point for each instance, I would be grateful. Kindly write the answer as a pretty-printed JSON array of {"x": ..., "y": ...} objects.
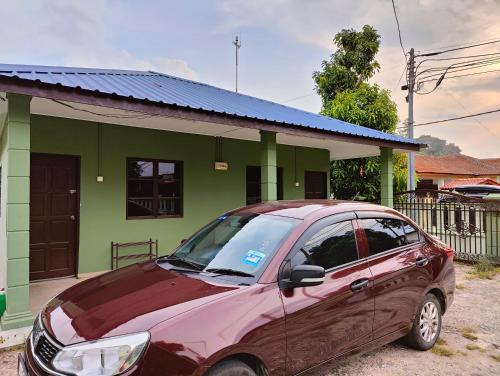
[{"x": 383, "y": 234}]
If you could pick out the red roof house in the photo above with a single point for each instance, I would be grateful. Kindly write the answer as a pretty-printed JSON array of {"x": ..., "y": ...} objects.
[{"x": 438, "y": 172}]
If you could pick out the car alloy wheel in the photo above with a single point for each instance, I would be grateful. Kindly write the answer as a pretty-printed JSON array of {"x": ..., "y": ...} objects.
[{"x": 429, "y": 322}]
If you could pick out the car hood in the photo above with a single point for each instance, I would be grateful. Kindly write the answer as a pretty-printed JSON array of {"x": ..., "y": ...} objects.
[{"x": 128, "y": 300}]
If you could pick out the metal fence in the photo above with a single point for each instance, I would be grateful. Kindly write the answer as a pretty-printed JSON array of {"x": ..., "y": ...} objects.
[{"x": 471, "y": 226}]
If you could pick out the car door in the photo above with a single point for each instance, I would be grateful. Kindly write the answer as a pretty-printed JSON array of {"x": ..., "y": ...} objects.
[
  {"x": 335, "y": 317},
  {"x": 400, "y": 268}
]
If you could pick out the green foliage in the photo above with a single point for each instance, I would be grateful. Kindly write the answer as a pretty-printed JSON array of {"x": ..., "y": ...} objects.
[
  {"x": 347, "y": 96},
  {"x": 370, "y": 106},
  {"x": 367, "y": 105},
  {"x": 437, "y": 146},
  {"x": 352, "y": 63}
]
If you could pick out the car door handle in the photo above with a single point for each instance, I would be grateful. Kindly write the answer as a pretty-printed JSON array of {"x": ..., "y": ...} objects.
[
  {"x": 422, "y": 261},
  {"x": 359, "y": 284}
]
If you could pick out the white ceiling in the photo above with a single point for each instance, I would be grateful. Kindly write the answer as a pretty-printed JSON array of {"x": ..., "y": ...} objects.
[{"x": 338, "y": 149}]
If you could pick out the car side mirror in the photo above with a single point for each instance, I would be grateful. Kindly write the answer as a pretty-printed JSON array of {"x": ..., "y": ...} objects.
[
  {"x": 304, "y": 275},
  {"x": 183, "y": 241}
]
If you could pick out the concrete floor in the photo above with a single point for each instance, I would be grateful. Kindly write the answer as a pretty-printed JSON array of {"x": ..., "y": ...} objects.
[{"x": 43, "y": 291}]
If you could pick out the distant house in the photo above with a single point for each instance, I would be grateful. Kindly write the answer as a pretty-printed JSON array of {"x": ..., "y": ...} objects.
[
  {"x": 450, "y": 170},
  {"x": 468, "y": 181}
]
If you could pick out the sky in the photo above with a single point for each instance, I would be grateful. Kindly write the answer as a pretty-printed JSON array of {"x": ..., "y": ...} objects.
[{"x": 283, "y": 42}]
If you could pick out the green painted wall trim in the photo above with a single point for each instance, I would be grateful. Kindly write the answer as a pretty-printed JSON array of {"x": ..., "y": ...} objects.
[
  {"x": 207, "y": 192},
  {"x": 268, "y": 163},
  {"x": 386, "y": 177},
  {"x": 17, "y": 146}
]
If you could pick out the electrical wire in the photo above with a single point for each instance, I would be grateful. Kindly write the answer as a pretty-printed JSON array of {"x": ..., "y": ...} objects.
[
  {"x": 143, "y": 115},
  {"x": 463, "y": 64},
  {"x": 457, "y": 118},
  {"x": 399, "y": 30},
  {"x": 458, "y": 48},
  {"x": 459, "y": 57},
  {"x": 455, "y": 98},
  {"x": 461, "y": 75},
  {"x": 459, "y": 45}
]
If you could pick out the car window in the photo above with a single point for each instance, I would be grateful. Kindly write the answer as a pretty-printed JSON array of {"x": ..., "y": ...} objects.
[
  {"x": 383, "y": 234},
  {"x": 332, "y": 246},
  {"x": 412, "y": 234}
]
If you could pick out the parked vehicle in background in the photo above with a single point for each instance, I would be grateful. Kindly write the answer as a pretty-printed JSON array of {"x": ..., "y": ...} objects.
[
  {"x": 477, "y": 191},
  {"x": 270, "y": 289}
]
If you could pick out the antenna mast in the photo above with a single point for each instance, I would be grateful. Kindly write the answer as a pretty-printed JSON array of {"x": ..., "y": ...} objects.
[{"x": 237, "y": 45}]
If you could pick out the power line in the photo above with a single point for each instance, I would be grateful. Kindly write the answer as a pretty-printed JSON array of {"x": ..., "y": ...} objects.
[
  {"x": 296, "y": 98},
  {"x": 453, "y": 68},
  {"x": 140, "y": 115},
  {"x": 459, "y": 57},
  {"x": 457, "y": 118},
  {"x": 461, "y": 75},
  {"x": 458, "y": 45},
  {"x": 458, "y": 69},
  {"x": 472, "y": 64},
  {"x": 467, "y": 111},
  {"x": 399, "y": 29},
  {"x": 459, "y": 48}
]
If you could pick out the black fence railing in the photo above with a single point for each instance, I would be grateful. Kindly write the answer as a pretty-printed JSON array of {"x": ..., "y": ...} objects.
[{"x": 471, "y": 226}]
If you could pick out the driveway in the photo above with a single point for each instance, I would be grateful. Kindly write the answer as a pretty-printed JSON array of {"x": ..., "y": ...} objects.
[{"x": 470, "y": 340}]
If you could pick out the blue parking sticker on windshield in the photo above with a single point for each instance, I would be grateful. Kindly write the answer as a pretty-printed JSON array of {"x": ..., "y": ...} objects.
[
  {"x": 222, "y": 217},
  {"x": 253, "y": 258}
]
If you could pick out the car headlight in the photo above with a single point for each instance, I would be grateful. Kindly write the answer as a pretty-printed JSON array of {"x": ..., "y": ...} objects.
[{"x": 105, "y": 357}]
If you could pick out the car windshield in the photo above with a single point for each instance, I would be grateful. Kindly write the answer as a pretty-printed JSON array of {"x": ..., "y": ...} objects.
[{"x": 238, "y": 245}]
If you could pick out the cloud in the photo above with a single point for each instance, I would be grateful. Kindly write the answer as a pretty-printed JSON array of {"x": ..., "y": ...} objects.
[
  {"x": 425, "y": 24},
  {"x": 74, "y": 33}
]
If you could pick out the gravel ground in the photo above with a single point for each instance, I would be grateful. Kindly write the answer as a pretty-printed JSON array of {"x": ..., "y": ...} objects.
[{"x": 476, "y": 309}]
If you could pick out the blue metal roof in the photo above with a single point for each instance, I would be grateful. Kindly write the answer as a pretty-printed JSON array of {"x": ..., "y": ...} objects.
[{"x": 162, "y": 88}]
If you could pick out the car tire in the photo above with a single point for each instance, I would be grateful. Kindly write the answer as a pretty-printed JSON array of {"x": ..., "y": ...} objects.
[
  {"x": 427, "y": 324},
  {"x": 231, "y": 368}
]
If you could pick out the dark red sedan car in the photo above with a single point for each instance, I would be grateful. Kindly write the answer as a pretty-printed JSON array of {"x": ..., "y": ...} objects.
[{"x": 270, "y": 289}]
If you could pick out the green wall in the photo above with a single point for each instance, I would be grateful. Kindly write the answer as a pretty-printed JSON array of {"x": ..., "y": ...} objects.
[{"x": 207, "y": 192}]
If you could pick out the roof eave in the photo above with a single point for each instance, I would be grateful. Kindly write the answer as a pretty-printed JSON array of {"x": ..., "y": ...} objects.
[{"x": 36, "y": 88}]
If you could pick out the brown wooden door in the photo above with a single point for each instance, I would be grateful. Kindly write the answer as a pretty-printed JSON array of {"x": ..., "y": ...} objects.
[
  {"x": 53, "y": 216},
  {"x": 315, "y": 185}
]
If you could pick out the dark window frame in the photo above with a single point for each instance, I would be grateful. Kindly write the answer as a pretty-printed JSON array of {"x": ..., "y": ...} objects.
[{"x": 155, "y": 179}]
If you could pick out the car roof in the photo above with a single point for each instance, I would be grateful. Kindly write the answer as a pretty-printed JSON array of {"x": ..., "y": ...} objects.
[
  {"x": 488, "y": 188},
  {"x": 310, "y": 209}
]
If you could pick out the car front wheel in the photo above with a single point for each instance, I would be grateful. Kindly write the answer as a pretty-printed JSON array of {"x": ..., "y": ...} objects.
[
  {"x": 231, "y": 368},
  {"x": 427, "y": 324}
]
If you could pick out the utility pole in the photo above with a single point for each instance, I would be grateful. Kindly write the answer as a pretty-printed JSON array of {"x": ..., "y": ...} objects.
[
  {"x": 411, "y": 84},
  {"x": 237, "y": 45}
]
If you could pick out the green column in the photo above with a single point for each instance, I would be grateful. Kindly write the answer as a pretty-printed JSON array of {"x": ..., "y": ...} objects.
[
  {"x": 268, "y": 179},
  {"x": 17, "y": 196},
  {"x": 386, "y": 194}
]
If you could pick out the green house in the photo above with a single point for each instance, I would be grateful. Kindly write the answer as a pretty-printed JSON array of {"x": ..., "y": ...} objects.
[{"x": 94, "y": 156}]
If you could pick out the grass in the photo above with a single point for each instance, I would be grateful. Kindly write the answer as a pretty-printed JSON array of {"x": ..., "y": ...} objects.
[
  {"x": 460, "y": 286},
  {"x": 496, "y": 357},
  {"x": 469, "y": 333},
  {"x": 12, "y": 348},
  {"x": 441, "y": 351},
  {"x": 472, "y": 347},
  {"x": 441, "y": 342},
  {"x": 484, "y": 269}
]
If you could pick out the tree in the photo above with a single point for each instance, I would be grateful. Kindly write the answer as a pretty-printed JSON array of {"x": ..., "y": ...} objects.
[
  {"x": 352, "y": 63},
  {"x": 437, "y": 146},
  {"x": 347, "y": 96}
]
